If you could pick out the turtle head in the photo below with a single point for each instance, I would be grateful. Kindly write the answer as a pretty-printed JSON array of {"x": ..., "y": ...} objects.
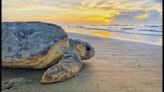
[{"x": 85, "y": 50}]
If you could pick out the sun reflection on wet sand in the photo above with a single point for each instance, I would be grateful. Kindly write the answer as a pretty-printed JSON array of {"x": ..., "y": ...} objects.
[{"x": 98, "y": 33}]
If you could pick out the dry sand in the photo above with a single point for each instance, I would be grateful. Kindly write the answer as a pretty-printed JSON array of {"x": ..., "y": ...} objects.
[{"x": 118, "y": 66}]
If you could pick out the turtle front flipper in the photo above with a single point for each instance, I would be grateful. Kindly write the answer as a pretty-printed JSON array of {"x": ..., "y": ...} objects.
[{"x": 67, "y": 68}]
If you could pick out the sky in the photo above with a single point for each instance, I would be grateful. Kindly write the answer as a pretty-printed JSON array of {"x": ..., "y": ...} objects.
[{"x": 84, "y": 12}]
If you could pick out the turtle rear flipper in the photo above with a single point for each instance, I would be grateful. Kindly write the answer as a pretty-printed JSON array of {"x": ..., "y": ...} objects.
[{"x": 67, "y": 68}]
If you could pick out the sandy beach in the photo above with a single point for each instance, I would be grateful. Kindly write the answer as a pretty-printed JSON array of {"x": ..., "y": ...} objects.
[{"x": 118, "y": 66}]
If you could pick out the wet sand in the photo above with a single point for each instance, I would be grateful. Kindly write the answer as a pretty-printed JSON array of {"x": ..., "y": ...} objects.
[{"x": 118, "y": 66}]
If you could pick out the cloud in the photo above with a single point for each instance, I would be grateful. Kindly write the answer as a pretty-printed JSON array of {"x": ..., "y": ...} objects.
[
  {"x": 145, "y": 18},
  {"x": 74, "y": 11},
  {"x": 124, "y": 4},
  {"x": 158, "y": 1},
  {"x": 129, "y": 6},
  {"x": 142, "y": 16}
]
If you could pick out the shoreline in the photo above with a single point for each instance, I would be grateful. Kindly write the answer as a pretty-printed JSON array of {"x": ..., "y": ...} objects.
[
  {"x": 100, "y": 33},
  {"x": 125, "y": 40}
]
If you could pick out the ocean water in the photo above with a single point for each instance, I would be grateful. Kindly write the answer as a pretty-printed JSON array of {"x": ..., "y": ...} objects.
[{"x": 141, "y": 33}]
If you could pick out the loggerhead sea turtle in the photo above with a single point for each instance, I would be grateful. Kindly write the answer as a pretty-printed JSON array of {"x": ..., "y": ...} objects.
[{"x": 39, "y": 45}]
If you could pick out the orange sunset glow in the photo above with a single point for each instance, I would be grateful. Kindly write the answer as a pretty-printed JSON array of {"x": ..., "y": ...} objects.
[{"x": 71, "y": 11}]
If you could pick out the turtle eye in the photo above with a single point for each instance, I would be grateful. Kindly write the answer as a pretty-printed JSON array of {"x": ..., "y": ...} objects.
[{"x": 88, "y": 48}]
